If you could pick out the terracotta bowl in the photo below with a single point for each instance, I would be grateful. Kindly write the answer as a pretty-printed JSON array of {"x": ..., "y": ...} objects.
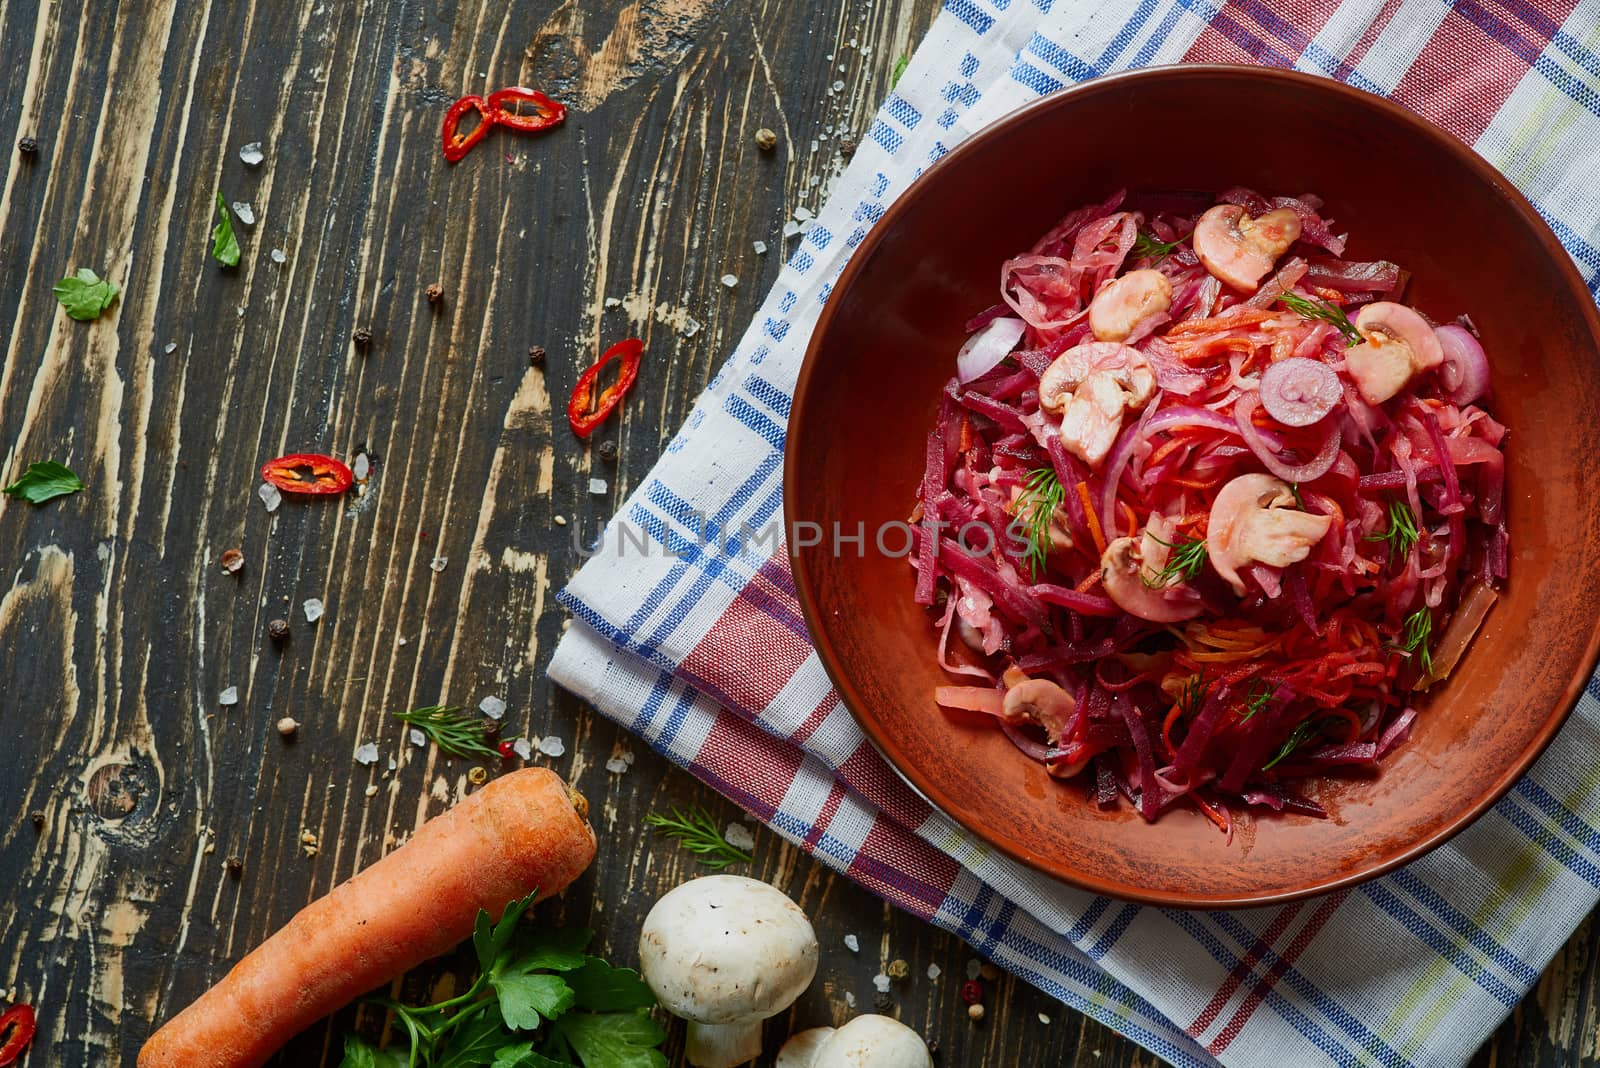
[{"x": 1406, "y": 192}]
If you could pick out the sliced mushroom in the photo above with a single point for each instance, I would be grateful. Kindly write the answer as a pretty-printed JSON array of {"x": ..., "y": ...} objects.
[
  {"x": 800, "y": 1051},
  {"x": 1253, "y": 521},
  {"x": 866, "y": 1042},
  {"x": 1125, "y": 302},
  {"x": 1090, "y": 386},
  {"x": 1129, "y": 568},
  {"x": 1399, "y": 346},
  {"x": 1093, "y": 418},
  {"x": 1240, "y": 250},
  {"x": 1041, "y": 702}
]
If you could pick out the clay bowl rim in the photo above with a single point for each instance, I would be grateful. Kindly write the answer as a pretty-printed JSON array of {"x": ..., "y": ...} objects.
[{"x": 805, "y": 385}]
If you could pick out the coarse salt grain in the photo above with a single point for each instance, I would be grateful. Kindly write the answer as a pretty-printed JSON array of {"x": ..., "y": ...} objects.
[
  {"x": 849, "y": 999},
  {"x": 691, "y": 326},
  {"x": 597, "y": 486},
  {"x": 730, "y": 280},
  {"x": 418, "y": 739},
  {"x": 367, "y": 753},
  {"x": 852, "y": 943},
  {"x": 493, "y": 707},
  {"x": 934, "y": 971},
  {"x": 739, "y": 836},
  {"x": 362, "y": 467},
  {"x": 802, "y": 214},
  {"x": 838, "y": 86},
  {"x": 251, "y": 154},
  {"x": 551, "y": 746},
  {"x": 616, "y": 765},
  {"x": 313, "y": 609},
  {"x": 881, "y": 983},
  {"x": 973, "y": 968},
  {"x": 439, "y": 563},
  {"x": 230, "y": 696},
  {"x": 170, "y": 347},
  {"x": 613, "y": 302},
  {"x": 244, "y": 212},
  {"x": 278, "y": 256},
  {"x": 522, "y": 748},
  {"x": 791, "y": 228},
  {"x": 269, "y": 496},
  {"x": 1044, "y": 1019},
  {"x": 761, "y": 248}
]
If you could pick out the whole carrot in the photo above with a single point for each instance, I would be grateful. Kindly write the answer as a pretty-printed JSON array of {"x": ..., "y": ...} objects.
[{"x": 520, "y": 833}]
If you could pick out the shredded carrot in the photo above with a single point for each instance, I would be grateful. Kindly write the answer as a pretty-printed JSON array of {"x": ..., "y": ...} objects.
[
  {"x": 1091, "y": 582},
  {"x": 1192, "y": 483},
  {"x": 966, "y": 432},
  {"x": 1327, "y": 294},
  {"x": 1166, "y": 729},
  {"x": 1094, "y": 520},
  {"x": 1132, "y": 520},
  {"x": 1240, "y": 317},
  {"x": 1211, "y": 814}
]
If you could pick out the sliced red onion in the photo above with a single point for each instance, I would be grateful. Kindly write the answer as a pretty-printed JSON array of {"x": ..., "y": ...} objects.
[
  {"x": 1313, "y": 469},
  {"x": 985, "y": 349},
  {"x": 1183, "y": 415},
  {"x": 1465, "y": 371},
  {"x": 1034, "y": 750},
  {"x": 1300, "y": 391}
]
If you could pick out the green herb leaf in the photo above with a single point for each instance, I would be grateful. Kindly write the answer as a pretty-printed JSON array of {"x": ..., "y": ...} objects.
[
  {"x": 447, "y": 728},
  {"x": 560, "y": 950},
  {"x": 1327, "y": 312},
  {"x": 601, "y": 988},
  {"x": 1036, "y": 508},
  {"x": 900, "y": 66},
  {"x": 1147, "y": 244},
  {"x": 1418, "y": 629},
  {"x": 224, "y": 246},
  {"x": 475, "y": 1044},
  {"x": 697, "y": 832},
  {"x": 1298, "y": 737},
  {"x": 522, "y": 1055},
  {"x": 527, "y": 997},
  {"x": 85, "y": 294},
  {"x": 1183, "y": 563},
  {"x": 44, "y": 482},
  {"x": 614, "y": 1040},
  {"x": 489, "y": 942},
  {"x": 1193, "y": 696},
  {"x": 1260, "y": 693},
  {"x": 1402, "y": 532},
  {"x": 358, "y": 1054}
]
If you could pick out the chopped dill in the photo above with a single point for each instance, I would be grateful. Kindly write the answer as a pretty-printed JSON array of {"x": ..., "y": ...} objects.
[
  {"x": 1187, "y": 558},
  {"x": 1147, "y": 244},
  {"x": 1327, "y": 312},
  {"x": 1418, "y": 629},
  {"x": 1402, "y": 532},
  {"x": 1042, "y": 494}
]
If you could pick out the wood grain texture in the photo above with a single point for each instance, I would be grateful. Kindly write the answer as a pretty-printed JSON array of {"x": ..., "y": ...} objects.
[{"x": 118, "y": 630}]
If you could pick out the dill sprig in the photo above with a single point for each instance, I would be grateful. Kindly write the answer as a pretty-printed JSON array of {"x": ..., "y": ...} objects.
[
  {"x": 1193, "y": 695},
  {"x": 1414, "y": 639},
  {"x": 1402, "y": 532},
  {"x": 1148, "y": 244},
  {"x": 697, "y": 832},
  {"x": 1042, "y": 494},
  {"x": 1256, "y": 699},
  {"x": 1298, "y": 737},
  {"x": 1183, "y": 564},
  {"x": 447, "y": 728},
  {"x": 1326, "y": 311}
]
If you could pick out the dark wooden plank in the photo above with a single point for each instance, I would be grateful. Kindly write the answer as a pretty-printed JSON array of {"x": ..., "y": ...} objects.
[{"x": 117, "y": 629}]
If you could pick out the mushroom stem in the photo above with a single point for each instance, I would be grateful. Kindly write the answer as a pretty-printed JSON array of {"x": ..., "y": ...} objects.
[{"x": 722, "y": 1045}]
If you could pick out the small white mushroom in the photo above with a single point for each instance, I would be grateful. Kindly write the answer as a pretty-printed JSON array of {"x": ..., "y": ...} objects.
[
  {"x": 1240, "y": 250},
  {"x": 1399, "y": 345},
  {"x": 1133, "y": 571},
  {"x": 865, "y": 1042},
  {"x": 1041, "y": 702},
  {"x": 1252, "y": 521},
  {"x": 1124, "y": 303},
  {"x": 724, "y": 953}
]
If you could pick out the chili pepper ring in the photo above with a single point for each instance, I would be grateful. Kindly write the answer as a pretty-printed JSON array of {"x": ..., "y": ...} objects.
[
  {"x": 501, "y": 109},
  {"x": 583, "y": 418},
  {"x": 308, "y": 472}
]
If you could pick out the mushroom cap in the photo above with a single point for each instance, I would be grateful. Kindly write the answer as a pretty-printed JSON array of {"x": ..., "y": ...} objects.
[
  {"x": 800, "y": 1051},
  {"x": 724, "y": 949},
  {"x": 873, "y": 1042}
]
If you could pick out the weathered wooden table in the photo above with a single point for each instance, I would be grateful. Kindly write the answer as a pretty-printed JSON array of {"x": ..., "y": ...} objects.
[{"x": 125, "y": 782}]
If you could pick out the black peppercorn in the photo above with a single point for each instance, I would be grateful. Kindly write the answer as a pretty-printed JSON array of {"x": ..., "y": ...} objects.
[
  {"x": 847, "y": 147},
  {"x": 28, "y": 146},
  {"x": 234, "y": 867},
  {"x": 435, "y": 293},
  {"x": 883, "y": 1002},
  {"x": 278, "y": 630},
  {"x": 362, "y": 337},
  {"x": 536, "y": 356},
  {"x": 38, "y": 819},
  {"x": 608, "y": 451}
]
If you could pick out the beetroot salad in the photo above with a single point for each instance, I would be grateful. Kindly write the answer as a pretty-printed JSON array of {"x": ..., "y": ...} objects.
[{"x": 1207, "y": 506}]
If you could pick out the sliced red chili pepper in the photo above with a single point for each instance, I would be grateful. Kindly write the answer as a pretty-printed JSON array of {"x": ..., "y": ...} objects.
[
  {"x": 546, "y": 112},
  {"x": 20, "y": 1021},
  {"x": 457, "y": 144},
  {"x": 307, "y": 472},
  {"x": 579, "y": 413}
]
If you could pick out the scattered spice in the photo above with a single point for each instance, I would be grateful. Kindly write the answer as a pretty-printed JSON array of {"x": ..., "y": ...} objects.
[
  {"x": 478, "y": 775},
  {"x": 697, "y": 832},
  {"x": 847, "y": 147},
  {"x": 37, "y": 816},
  {"x": 28, "y": 146},
  {"x": 989, "y": 972},
  {"x": 308, "y": 842},
  {"x": 234, "y": 867},
  {"x": 608, "y": 451},
  {"x": 501, "y": 109},
  {"x": 362, "y": 337},
  {"x": 899, "y": 969},
  {"x": 308, "y": 472},
  {"x": 233, "y": 561},
  {"x": 975, "y": 1011},
  {"x": 287, "y": 726},
  {"x": 278, "y": 630},
  {"x": 491, "y": 729},
  {"x": 435, "y": 293},
  {"x": 584, "y": 418},
  {"x": 447, "y": 728},
  {"x": 972, "y": 991},
  {"x": 766, "y": 140},
  {"x": 371, "y": 790},
  {"x": 536, "y": 356}
]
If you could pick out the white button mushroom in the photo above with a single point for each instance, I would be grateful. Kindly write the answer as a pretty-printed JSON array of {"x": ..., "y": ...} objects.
[
  {"x": 1399, "y": 345},
  {"x": 724, "y": 953},
  {"x": 1041, "y": 702},
  {"x": 1240, "y": 250},
  {"x": 1090, "y": 386},
  {"x": 865, "y": 1042},
  {"x": 1252, "y": 522},
  {"x": 1122, "y": 304},
  {"x": 1134, "y": 573}
]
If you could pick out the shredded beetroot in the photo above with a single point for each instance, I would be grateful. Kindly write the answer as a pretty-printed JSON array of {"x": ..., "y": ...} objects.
[{"x": 1234, "y": 591}]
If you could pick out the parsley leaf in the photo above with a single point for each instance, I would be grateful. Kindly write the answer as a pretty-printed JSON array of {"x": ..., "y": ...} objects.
[
  {"x": 527, "y": 997},
  {"x": 601, "y": 988},
  {"x": 900, "y": 66},
  {"x": 357, "y": 1054},
  {"x": 85, "y": 294},
  {"x": 488, "y": 942},
  {"x": 557, "y": 951},
  {"x": 522, "y": 1056},
  {"x": 475, "y": 1044},
  {"x": 614, "y": 1040},
  {"x": 224, "y": 246},
  {"x": 44, "y": 482}
]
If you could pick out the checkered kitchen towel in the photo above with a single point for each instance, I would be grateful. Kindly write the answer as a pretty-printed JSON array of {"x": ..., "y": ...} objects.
[{"x": 706, "y": 655}]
